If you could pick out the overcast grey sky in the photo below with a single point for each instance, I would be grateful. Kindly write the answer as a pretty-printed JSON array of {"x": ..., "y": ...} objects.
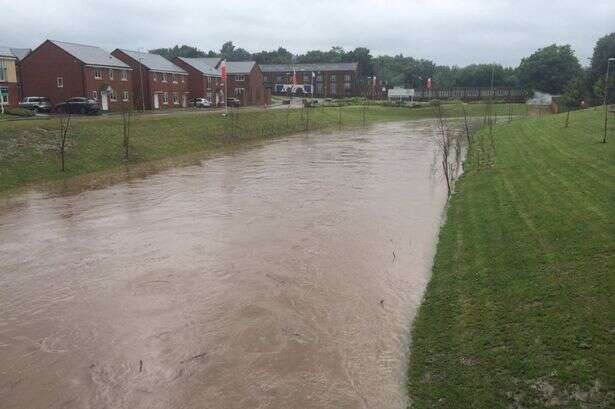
[{"x": 446, "y": 31}]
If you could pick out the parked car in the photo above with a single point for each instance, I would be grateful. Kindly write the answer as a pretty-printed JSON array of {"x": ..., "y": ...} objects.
[
  {"x": 233, "y": 102},
  {"x": 200, "y": 103},
  {"x": 36, "y": 104},
  {"x": 78, "y": 105}
]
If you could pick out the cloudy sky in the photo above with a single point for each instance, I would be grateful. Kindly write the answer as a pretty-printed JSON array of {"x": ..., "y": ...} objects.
[{"x": 446, "y": 31}]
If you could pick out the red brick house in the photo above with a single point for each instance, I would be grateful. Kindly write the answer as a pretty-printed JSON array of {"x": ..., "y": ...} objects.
[
  {"x": 60, "y": 70},
  {"x": 157, "y": 82},
  {"x": 327, "y": 80},
  {"x": 10, "y": 75},
  {"x": 246, "y": 82},
  {"x": 203, "y": 77}
]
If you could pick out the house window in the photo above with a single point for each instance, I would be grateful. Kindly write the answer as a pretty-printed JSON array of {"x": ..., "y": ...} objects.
[
  {"x": 174, "y": 76},
  {"x": 240, "y": 78},
  {"x": 333, "y": 89},
  {"x": 347, "y": 86},
  {"x": 60, "y": 82},
  {"x": 306, "y": 79},
  {"x": 124, "y": 75},
  {"x": 112, "y": 96},
  {"x": 347, "y": 78},
  {"x": 95, "y": 95},
  {"x": 332, "y": 78},
  {"x": 4, "y": 91},
  {"x": 175, "y": 99},
  {"x": 2, "y": 71},
  {"x": 165, "y": 98},
  {"x": 125, "y": 96},
  {"x": 98, "y": 73},
  {"x": 110, "y": 74},
  {"x": 319, "y": 88},
  {"x": 319, "y": 78},
  {"x": 155, "y": 76},
  {"x": 238, "y": 92},
  {"x": 182, "y": 78},
  {"x": 164, "y": 77}
]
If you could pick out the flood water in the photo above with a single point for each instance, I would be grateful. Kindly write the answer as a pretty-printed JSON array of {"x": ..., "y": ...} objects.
[{"x": 284, "y": 275}]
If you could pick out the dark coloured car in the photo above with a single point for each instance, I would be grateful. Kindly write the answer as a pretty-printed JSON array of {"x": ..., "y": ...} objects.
[
  {"x": 233, "y": 102},
  {"x": 36, "y": 104},
  {"x": 78, "y": 105}
]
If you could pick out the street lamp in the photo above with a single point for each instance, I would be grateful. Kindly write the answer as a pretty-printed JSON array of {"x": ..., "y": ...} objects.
[
  {"x": 606, "y": 89},
  {"x": 141, "y": 81}
]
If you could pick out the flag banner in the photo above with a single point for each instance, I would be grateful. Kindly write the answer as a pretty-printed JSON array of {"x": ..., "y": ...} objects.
[
  {"x": 223, "y": 71},
  {"x": 428, "y": 83}
]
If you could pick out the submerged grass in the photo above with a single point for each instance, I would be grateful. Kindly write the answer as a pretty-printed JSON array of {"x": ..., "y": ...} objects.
[
  {"x": 520, "y": 309},
  {"x": 29, "y": 148}
]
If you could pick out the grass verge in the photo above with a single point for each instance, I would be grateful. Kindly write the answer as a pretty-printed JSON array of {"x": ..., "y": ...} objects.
[
  {"x": 29, "y": 148},
  {"x": 520, "y": 309}
]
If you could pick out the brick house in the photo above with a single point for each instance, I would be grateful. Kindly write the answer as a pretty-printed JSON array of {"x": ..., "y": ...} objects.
[
  {"x": 327, "y": 80},
  {"x": 246, "y": 82},
  {"x": 203, "y": 77},
  {"x": 157, "y": 82},
  {"x": 60, "y": 70},
  {"x": 10, "y": 75}
]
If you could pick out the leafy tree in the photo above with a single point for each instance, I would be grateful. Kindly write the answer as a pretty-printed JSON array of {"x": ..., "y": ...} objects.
[
  {"x": 575, "y": 92},
  {"x": 549, "y": 69},
  {"x": 232, "y": 53},
  {"x": 177, "y": 51},
  {"x": 604, "y": 49},
  {"x": 362, "y": 56},
  {"x": 279, "y": 56}
]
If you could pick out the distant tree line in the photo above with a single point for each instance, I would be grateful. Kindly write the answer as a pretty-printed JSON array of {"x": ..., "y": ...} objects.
[{"x": 554, "y": 69}]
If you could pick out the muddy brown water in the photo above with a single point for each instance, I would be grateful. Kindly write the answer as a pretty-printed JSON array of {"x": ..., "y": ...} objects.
[{"x": 285, "y": 275}]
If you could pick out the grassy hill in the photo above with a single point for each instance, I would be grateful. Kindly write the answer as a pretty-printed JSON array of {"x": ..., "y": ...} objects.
[{"x": 520, "y": 310}]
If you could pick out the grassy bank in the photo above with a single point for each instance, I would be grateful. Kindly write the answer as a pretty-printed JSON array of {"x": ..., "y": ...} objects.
[
  {"x": 29, "y": 148},
  {"x": 520, "y": 310}
]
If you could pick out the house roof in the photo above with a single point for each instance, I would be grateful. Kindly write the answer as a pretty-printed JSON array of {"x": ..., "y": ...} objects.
[
  {"x": 239, "y": 67},
  {"x": 18, "y": 53},
  {"x": 202, "y": 64},
  {"x": 154, "y": 62},
  {"x": 337, "y": 66},
  {"x": 90, "y": 55},
  {"x": 212, "y": 61}
]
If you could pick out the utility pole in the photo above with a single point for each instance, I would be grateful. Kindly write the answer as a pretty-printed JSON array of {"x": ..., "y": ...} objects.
[
  {"x": 141, "y": 81},
  {"x": 606, "y": 105}
]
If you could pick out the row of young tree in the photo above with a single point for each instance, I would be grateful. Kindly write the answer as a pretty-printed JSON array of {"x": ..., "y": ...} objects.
[{"x": 554, "y": 69}]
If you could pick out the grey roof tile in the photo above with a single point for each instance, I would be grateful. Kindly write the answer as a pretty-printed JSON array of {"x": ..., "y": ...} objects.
[
  {"x": 90, "y": 55},
  {"x": 202, "y": 64},
  {"x": 154, "y": 62}
]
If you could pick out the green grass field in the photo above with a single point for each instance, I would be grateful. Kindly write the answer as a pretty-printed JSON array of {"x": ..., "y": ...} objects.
[
  {"x": 29, "y": 148},
  {"x": 520, "y": 309}
]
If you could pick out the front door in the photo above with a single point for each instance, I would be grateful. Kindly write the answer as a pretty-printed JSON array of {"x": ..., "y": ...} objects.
[
  {"x": 184, "y": 101},
  {"x": 156, "y": 102},
  {"x": 104, "y": 101}
]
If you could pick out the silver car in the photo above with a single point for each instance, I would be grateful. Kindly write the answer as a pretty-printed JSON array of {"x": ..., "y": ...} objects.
[
  {"x": 202, "y": 103},
  {"x": 36, "y": 104}
]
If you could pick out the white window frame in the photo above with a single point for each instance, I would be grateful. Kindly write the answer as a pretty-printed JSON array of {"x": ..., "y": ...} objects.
[
  {"x": 97, "y": 74},
  {"x": 347, "y": 77},
  {"x": 155, "y": 75},
  {"x": 125, "y": 96},
  {"x": 175, "y": 98},
  {"x": 174, "y": 78},
  {"x": 124, "y": 76},
  {"x": 111, "y": 73},
  {"x": 182, "y": 77},
  {"x": 5, "y": 95},
  {"x": 112, "y": 96},
  {"x": 238, "y": 92},
  {"x": 164, "y": 77},
  {"x": 240, "y": 78},
  {"x": 165, "y": 98},
  {"x": 3, "y": 70},
  {"x": 60, "y": 82},
  {"x": 95, "y": 95}
]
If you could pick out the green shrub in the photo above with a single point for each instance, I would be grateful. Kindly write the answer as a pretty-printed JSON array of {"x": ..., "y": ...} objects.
[{"x": 18, "y": 111}]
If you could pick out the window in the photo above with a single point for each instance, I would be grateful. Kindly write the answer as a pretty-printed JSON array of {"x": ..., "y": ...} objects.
[
  {"x": 98, "y": 74},
  {"x": 4, "y": 91},
  {"x": 110, "y": 74},
  {"x": 164, "y": 77},
  {"x": 155, "y": 76},
  {"x": 238, "y": 92},
  {"x": 175, "y": 99},
  {"x": 265, "y": 78},
  {"x": 319, "y": 78},
  {"x": 2, "y": 70},
  {"x": 332, "y": 78},
  {"x": 95, "y": 95},
  {"x": 124, "y": 75},
  {"x": 347, "y": 78},
  {"x": 182, "y": 77},
  {"x": 240, "y": 78},
  {"x": 60, "y": 82},
  {"x": 125, "y": 96},
  {"x": 347, "y": 86},
  {"x": 165, "y": 98},
  {"x": 306, "y": 79},
  {"x": 174, "y": 77},
  {"x": 319, "y": 88},
  {"x": 112, "y": 96}
]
